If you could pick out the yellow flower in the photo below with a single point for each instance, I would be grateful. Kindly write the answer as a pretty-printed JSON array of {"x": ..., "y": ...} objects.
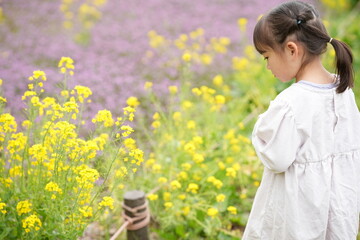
[
  {"x": 86, "y": 211},
  {"x": 182, "y": 197},
  {"x": 152, "y": 197},
  {"x": 232, "y": 210},
  {"x": 186, "y": 104},
  {"x": 212, "y": 212},
  {"x": 186, "y": 210},
  {"x": 182, "y": 175},
  {"x": 107, "y": 202},
  {"x": 66, "y": 64},
  {"x": 192, "y": 187},
  {"x": 191, "y": 124},
  {"x": 217, "y": 183},
  {"x": 7, "y": 124},
  {"x": 225, "y": 41},
  {"x": 53, "y": 187},
  {"x": 198, "y": 158},
  {"x": 127, "y": 130},
  {"x": 189, "y": 147},
  {"x": 156, "y": 168},
  {"x": 87, "y": 175},
  {"x": 220, "y": 198},
  {"x": 166, "y": 196},
  {"x": 6, "y": 181},
  {"x": 186, "y": 166},
  {"x": 3, "y": 99},
  {"x": 130, "y": 143},
  {"x": 132, "y": 102},
  {"x": 175, "y": 184},
  {"x": 83, "y": 92},
  {"x": 2, "y": 207},
  {"x": 105, "y": 117},
  {"x": 231, "y": 172},
  {"x": 148, "y": 85},
  {"x": 218, "y": 80},
  {"x": 186, "y": 57},
  {"x": 156, "y": 116},
  {"x": 211, "y": 179},
  {"x": 16, "y": 171},
  {"x": 38, "y": 152},
  {"x": 180, "y": 44},
  {"x": 173, "y": 89},
  {"x": 221, "y": 165},
  {"x": 23, "y": 207},
  {"x": 168, "y": 205},
  {"x": 240, "y": 64},
  {"x": 162, "y": 180},
  {"x": 150, "y": 162},
  {"x": 156, "y": 124},
  {"x": 206, "y": 59},
  {"x": 242, "y": 24},
  {"x": 122, "y": 172},
  {"x": 128, "y": 111},
  {"x": 138, "y": 155},
  {"x": 220, "y": 99},
  {"x": 155, "y": 40},
  {"x": 38, "y": 75},
  {"x": 32, "y": 222},
  {"x": 71, "y": 106},
  {"x": 177, "y": 116},
  {"x": 196, "y": 91}
]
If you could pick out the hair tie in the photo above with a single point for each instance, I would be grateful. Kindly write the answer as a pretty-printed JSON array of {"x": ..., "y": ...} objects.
[
  {"x": 299, "y": 21},
  {"x": 330, "y": 40}
]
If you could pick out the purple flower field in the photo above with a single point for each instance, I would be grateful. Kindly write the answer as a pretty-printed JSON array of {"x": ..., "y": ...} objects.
[{"x": 32, "y": 38}]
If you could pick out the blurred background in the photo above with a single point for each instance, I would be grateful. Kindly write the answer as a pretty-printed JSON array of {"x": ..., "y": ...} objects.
[
  {"x": 109, "y": 41},
  {"x": 198, "y": 84}
]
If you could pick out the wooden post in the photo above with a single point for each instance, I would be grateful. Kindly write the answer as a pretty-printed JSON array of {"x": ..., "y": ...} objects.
[{"x": 134, "y": 199}]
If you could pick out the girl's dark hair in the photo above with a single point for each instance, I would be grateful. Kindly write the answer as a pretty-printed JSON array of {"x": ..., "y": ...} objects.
[{"x": 303, "y": 22}]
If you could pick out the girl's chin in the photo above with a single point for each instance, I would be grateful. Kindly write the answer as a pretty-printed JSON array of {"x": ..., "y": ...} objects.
[{"x": 284, "y": 80}]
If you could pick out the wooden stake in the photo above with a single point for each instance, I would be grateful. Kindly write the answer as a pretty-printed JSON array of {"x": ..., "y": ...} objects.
[{"x": 134, "y": 199}]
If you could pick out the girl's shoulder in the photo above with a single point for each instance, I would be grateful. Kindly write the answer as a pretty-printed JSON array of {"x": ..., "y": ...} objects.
[
  {"x": 305, "y": 94},
  {"x": 303, "y": 100}
]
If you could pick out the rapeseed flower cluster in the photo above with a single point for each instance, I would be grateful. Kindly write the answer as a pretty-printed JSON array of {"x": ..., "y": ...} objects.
[
  {"x": 205, "y": 167},
  {"x": 32, "y": 222},
  {"x": 107, "y": 202},
  {"x": 2, "y": 207},
  {"x": 23, "y": 207},
  {"x": 82, "y": 14},
  {"x": 192, "y": 47},
  {"x": 53, "y": 188},
  {"x": 51, "y": 177}
]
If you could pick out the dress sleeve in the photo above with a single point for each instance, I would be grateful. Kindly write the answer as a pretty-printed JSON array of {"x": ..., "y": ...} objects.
[{"x": 276, "y": 138}]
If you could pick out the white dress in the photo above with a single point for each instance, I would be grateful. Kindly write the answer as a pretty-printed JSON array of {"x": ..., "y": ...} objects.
[{"x": 309, "y": 143}]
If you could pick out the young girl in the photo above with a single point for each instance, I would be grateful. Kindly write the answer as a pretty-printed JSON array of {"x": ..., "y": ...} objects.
[{"x": 309, "y": 138}]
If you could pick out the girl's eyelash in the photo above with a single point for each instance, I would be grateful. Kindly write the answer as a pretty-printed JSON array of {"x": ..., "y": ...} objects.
[{"x": 266, "y": 58}]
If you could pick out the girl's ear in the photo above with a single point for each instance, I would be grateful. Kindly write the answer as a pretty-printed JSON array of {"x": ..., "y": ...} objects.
[{"x": 292, "y": 49}]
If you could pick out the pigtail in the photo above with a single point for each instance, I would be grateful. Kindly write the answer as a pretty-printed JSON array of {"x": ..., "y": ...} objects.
[{"x": 344, "y": 68}]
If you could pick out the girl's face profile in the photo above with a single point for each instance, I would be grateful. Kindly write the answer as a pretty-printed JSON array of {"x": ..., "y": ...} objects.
[
  {"x": 284, "y": 65},
  {"x": 276, "y": 64}
]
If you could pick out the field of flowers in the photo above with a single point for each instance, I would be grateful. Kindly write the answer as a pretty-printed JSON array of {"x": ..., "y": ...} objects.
[{"x": 100, "y": 97}]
